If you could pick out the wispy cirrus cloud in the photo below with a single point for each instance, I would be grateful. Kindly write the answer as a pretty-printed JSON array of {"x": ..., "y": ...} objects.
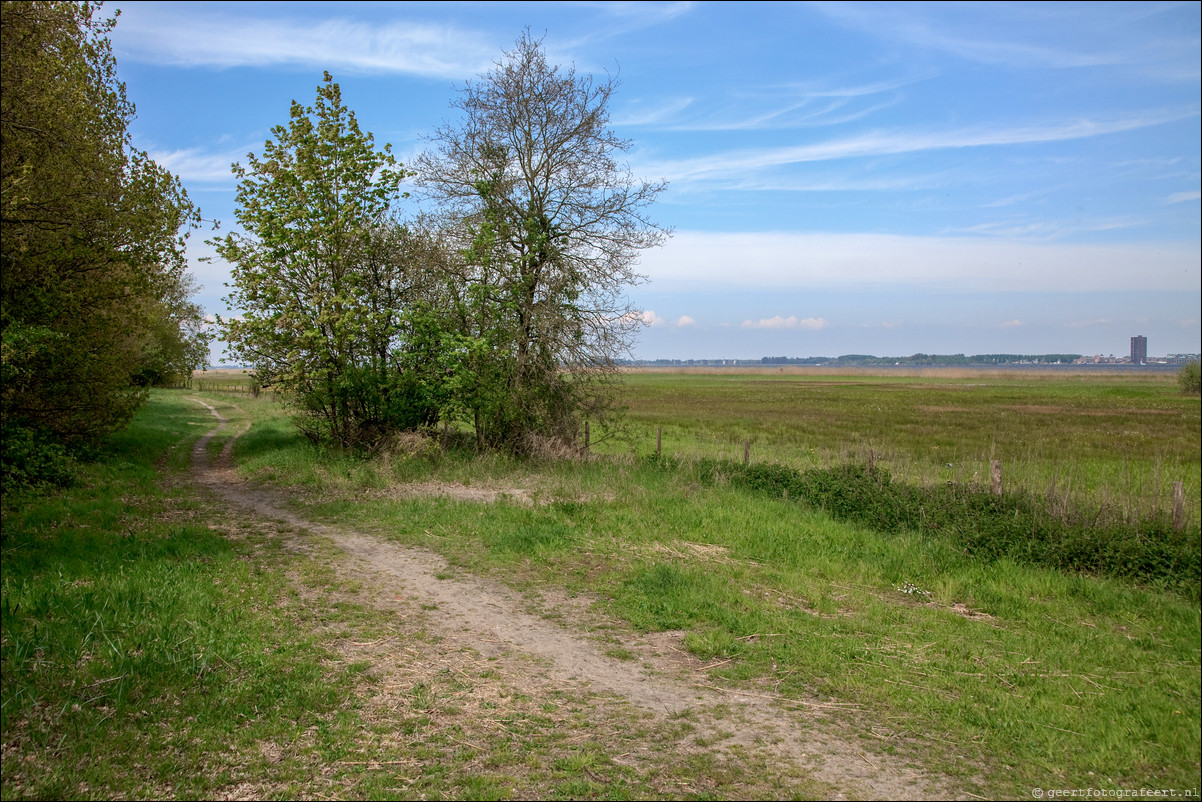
[
  {"x": 637, "y": 15},
  {"x": 651, "y": 113},
  {"x": 1050, "y": 34},
  {"x": 223, "y": 40},
  {"x": 773, "y": 107},
  {"x": 738, "y": 163},
  {"x": 1048, "y": 229},
  {"x": 801, "y": 114}
]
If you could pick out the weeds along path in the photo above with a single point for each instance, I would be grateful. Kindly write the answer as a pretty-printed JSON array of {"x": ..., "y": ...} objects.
[{"x": 811, "y": 740}]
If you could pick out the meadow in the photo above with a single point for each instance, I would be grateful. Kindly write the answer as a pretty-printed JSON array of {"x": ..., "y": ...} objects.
[
  {"x": 1118, "y": 440},
  {"x": 126, "y": 600}
]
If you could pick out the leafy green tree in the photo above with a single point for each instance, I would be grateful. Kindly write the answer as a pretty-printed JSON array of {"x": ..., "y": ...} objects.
[
  {"x": 180, "y": 337},
  {"x": 553, "y": 225},
  {"x": 322, "y": 276},
  {"x": 92, "y": 230}
]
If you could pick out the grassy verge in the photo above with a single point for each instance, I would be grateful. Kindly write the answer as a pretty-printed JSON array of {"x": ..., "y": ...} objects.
[
  {"x": 986, "y": 526},
  {"x": 145, "y": 653},
  {"x": 156, "y": 645},
  {"x": 1024, "y": 675}
]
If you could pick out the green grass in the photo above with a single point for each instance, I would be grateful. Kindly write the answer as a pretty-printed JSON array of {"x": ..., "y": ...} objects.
[
  {"x": 987, "y": 526},
  {"x": 1121, "y": 440},
  {"x": 1037, "y": 676},
  {"x": 157, "y": 645},
  {"x": 154, "y": 645},
  {"x": 138, "y": 642}
]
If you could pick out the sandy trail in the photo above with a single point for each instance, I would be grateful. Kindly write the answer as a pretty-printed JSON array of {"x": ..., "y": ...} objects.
[{"x": 493, "y": 619}]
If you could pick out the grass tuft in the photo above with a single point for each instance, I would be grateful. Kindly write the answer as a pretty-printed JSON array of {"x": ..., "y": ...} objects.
[{"x": 1015, "y": 525}]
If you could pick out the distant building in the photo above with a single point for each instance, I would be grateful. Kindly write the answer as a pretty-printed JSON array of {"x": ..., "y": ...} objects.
[{"x": 1139, "y": 349}]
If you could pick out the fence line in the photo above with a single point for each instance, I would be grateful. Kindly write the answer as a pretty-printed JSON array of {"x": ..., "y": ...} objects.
[{"x": 201, "y": 386}]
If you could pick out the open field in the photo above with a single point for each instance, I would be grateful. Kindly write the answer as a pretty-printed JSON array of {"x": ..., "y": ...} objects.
[
  {"x": 157, "y": 643},
  {"x": 1120, "y": 439}
]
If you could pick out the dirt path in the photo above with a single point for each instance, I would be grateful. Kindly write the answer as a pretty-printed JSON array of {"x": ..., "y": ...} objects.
[{"x": 493, "y": 620}]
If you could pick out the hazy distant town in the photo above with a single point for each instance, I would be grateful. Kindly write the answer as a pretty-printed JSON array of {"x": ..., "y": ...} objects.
[{"x": 1137, "y": 357}]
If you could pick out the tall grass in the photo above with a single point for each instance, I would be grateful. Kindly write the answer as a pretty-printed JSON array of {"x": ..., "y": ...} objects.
[
  {"x": 1114, "y": 441},
  {"x": 987, "y": 526}
]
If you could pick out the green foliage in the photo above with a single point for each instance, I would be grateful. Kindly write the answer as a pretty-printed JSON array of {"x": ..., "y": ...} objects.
[
  {"x": 93, "y": 293},
  {"x": 549, "y": 227},
  {"x": 325, "y": 279},
  {"x": 1189, "y": 378},
  {"x": 31, "y": 459},
  {"x": 179, "y": 338}
]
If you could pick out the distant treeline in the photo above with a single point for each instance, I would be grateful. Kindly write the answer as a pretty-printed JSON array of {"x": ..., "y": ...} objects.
[{"x": 924, "y": 359}]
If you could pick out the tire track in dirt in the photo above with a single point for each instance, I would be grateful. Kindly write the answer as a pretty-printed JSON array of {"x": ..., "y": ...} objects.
[{"x": 488, "y": 616}]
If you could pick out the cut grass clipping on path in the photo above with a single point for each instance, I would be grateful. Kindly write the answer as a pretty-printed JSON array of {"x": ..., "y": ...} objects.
[{"x": 154, "y": 645}]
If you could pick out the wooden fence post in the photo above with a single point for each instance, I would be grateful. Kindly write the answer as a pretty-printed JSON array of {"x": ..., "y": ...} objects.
[
  {"x": 586, "y": 437},
  {"x": 746, "y": 451},
  {"x": 1178, "y": 506},
  {"x": 659, "y": 431},
  {"x": 995, "y": 470}
]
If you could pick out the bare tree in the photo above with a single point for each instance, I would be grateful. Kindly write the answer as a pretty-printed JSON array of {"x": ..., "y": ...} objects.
[{"x": 553, "y": 226}]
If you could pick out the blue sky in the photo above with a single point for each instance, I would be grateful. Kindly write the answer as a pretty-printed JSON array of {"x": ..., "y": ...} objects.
[{"x": 843, "y": 177}]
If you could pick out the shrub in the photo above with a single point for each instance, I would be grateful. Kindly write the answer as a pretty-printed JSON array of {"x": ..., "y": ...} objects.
[
  {"x": 1017, "y": 525},
  {"x": 1190, "y": 378},
  {"x": 31, "y": 458}
]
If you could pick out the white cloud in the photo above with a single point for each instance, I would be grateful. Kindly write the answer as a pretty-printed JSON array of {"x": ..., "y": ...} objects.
[
  {"x": 195, "y": 165},
  {"x": 793, "y": 261},
  {"x": 790, "y": 322},
  {"x": 685, "y": 320},
  {"x": 175, "y": 38},
  {"x": 1010, "y": 324},
  {"x": 649, "y": 318}
]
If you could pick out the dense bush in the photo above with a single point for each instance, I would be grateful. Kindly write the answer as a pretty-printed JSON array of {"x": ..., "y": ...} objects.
[
  {"x": 1016, "y": 525},
  {"x": 1190, "y": 378},
  {"x": 31, "y": 458}
]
